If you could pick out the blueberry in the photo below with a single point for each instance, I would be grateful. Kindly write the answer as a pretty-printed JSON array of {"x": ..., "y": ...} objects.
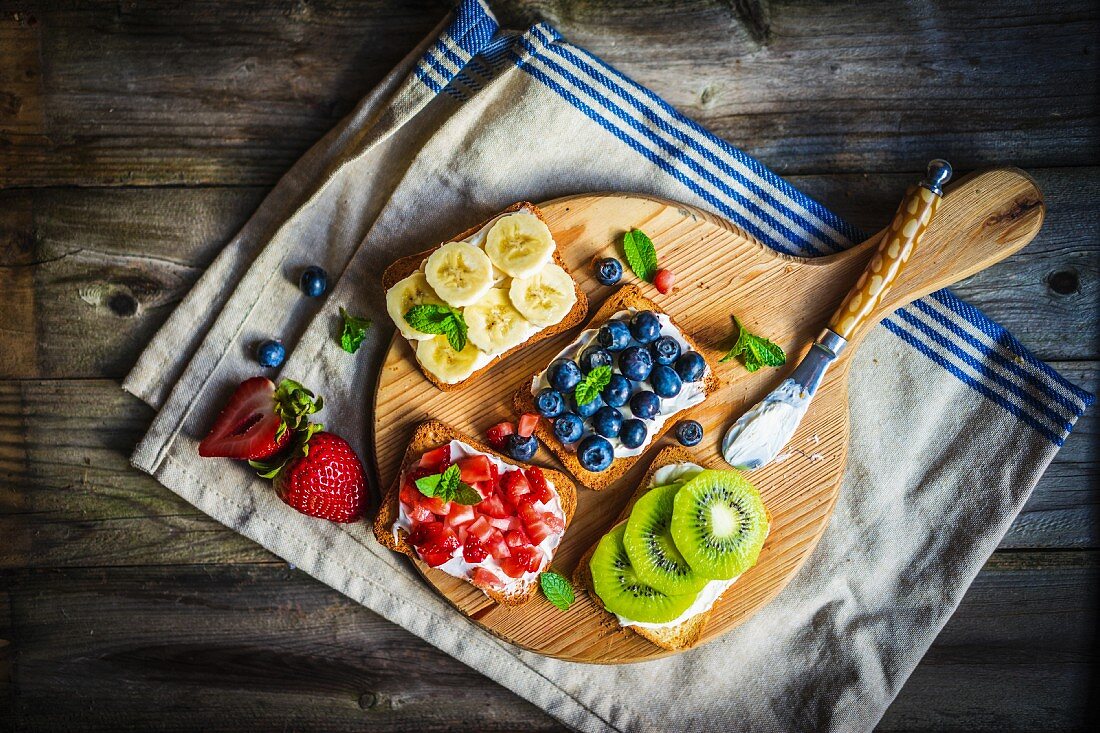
[
  {"x": 665, "y": 350},
  {"x": 593, "y": 357},
  {"x": 314, "y": 281},
  {"x": 607, "y": 422},
  {"x": 521, "y": 448},
  {"x": 614, "y": 335},
  {"x": 608, "y": 271},
  {"x": 588, "y": 409},
  {"x": 689, "y": 432},
  {"x": 691, "y": 366},
  {"x": 549, "y": 402},
  {"x": 666, "y": 382},
  {"x": 564, "y": 375},
  {"x": 568, "y": 428},
  {"x": 645, "y": 327},
  {"x": 633, "y": 433},
  {"x": 645, "y": 405},
  {"x": 271, "y": 353},
  {"x": 635, "y": 362},
  {"x": 617, "y": 391},
  {"x": 595, "y": 453}
]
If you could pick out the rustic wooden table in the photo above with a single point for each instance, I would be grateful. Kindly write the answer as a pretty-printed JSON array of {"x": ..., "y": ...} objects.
[{"x": 135, "y": 138}]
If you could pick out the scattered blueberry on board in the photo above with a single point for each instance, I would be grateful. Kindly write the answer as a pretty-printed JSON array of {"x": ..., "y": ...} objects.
[
  {"x": 665, "y": 381},
  {"x": 632, "y": 433},
  {"x": 314, "y": 281},
  {"x": 689, "y": 432},
  {"x": 549, "y": 402},
  {"x": 608, "y": 271},
  {"x": 690, "y": 366},
  {"x": 568, "y": 427},
  {"x": 271, "y": 353},
  {"x": 607, "y": 422},
  {"x": 645, "y": 327},
  {"x": 521, "y": 448},
  {"x": 595, "y": 453},
  {"x": 564, "y": 375},
  {"x": 645, "y": 405}
]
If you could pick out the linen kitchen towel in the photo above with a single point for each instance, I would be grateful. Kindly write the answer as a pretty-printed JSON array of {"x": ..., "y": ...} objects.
[{"x": 477, "y": 118}]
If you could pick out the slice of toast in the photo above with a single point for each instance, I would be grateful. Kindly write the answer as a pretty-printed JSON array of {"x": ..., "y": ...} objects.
[
  {"x": 676, "y": 637},
  {"x": 432, "y": 434},
  {"x": 406, "y": 266},
  {"x": 628, "y": 296}
]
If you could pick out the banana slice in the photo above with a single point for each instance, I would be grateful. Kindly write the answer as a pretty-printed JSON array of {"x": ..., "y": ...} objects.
[
  {"x": 413, "y": 290},
  {"x": 545, "y": 297},
  {"x": 494, "y": 325},
  {"x": 459, "y": 272},
  {"x": 520, "y": 244},
  {"x": 449, "y": 366}
]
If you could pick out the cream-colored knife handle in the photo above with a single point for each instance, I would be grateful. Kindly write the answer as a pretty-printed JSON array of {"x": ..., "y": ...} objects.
[{"x": 897, "y": 245}]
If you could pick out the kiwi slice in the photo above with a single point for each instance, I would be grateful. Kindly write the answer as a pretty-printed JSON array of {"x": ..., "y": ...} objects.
[
  {"x": 649, "y": 545},
  {"x": 617, "y": 585},
  {"x": 719, "y": 524}
]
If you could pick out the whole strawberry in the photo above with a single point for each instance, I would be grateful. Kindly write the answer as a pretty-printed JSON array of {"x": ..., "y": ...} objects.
[
  {"x": 259, "y": 420},
  {"x": 322, "y": 478}
]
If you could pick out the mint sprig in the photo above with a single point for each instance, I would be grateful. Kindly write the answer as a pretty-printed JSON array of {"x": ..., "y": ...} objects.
[
  {"x": 557, "y": 589},
  {"x": 755, "y": 351},
  {"x": 590, "y": 387},
  {"x": 640, "y": 253},
  {"x": 355, "y": 330},
  {"x": 435, "y": 318},
  {"x": 448, "y": 486}
]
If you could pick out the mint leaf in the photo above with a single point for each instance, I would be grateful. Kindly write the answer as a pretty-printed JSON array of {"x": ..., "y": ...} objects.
[
  {"x": 590, "y": 387},
  {"x": 755, "y": 351},
  {"x": 641, "y": 255},
  {"x": 466, "y": 494},
  {"x": 355, "y": 330},
  {"x": 434, "y": 318},
  {"x": 428, "y": 484},
  {"x": 557, "y": 589}
]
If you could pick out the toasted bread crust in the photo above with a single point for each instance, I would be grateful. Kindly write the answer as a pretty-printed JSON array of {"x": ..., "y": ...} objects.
[
  {"x": 628, "y": 296},
  {"x": 432, "y": 434},
  {"x": 677, "y": 637},
  {"x": 402, "y": 268}
]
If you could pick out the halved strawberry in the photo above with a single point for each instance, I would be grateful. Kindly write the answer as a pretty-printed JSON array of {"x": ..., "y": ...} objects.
[
  {"x": 499, "y": 433},
  {"x": 481, "y": 529},
  {"x": 515, "y": 538},
  {"x": 515, "y": 485},
  {"x": 527, "y": 423},
  {"x": 259, "y": 420},
  {"x": 473, "y": 550},
  {"x": 436, "y": 460},
  {"x": 474, "y": 469},
  {"x": 539, "y": 488},
  {"x": 483, "y": 578}
]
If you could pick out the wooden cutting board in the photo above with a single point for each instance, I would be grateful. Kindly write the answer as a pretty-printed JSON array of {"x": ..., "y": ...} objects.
[{"x": 720, "y": 271}]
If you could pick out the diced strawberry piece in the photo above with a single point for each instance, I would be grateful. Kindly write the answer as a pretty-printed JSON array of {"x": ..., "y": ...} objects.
[
  {"x": 537, "y": 529},
  {"x": 515, "y": 538},
  {"x": 484, "y": 488},
  {"x": 663, "y": 280},
  {"x": 527, "y": 423},
  {"x": 460, "y": 530},
  {"x": 494, "y": 476},
  {"x": 494, "y": 507},
  {"x": 473, "y": 550},
  {"x": 513, "y": 567},
  {"x": 496, "y": 545},
  {"x": 499, "y": 433},
  {"x": 515, "y": 485},
  {"x": 506, "y": 524},
  {"x": 439, "y": 550},
  {"x": 425, "y": 533},
  {"x": 420, "y": 513},
  {"x": 474, "y": 468},
  {"x": 434, "y": 559},
  {"x": 437, "y": 505},
  {"x": 539, "y": 488},
  {"x": 554, "y": 522},
  {"x": 410, "y": 495},
  {"x": 460, "y": 514},
  {"x": 528, "y": 556},
  {"x": 483, "y": 578},
  {"x": 481, "y": 529},
  {"x": 435, "y": 459}
]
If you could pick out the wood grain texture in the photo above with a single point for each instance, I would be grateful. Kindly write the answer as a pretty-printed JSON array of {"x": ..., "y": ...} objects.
[{"x": 981, "y": 220}]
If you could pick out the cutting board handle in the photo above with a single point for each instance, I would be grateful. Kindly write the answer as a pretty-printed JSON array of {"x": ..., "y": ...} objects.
[{"x": 983, "y": 219}]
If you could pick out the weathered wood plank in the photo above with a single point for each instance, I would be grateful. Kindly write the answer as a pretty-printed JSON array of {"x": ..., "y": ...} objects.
[
  {"x": 68, "y": 497},
  {"x": 91, "y": 274},
  {"x": 156, "y": 92},
  {"x": 217, "y": 647}
]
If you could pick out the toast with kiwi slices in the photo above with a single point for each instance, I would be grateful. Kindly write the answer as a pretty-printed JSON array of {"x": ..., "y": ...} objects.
[
  {"x": 684, "y": 520},
  {"x": 486, "y": 292},
  {"x": 623, "y": 305}
]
